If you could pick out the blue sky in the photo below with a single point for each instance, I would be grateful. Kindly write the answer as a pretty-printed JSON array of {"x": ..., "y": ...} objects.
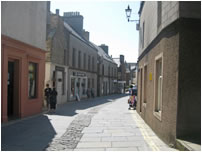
[{"x": 106, "y": 21}]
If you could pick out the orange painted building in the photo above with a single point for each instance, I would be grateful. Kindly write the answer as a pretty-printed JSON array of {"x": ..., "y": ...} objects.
[{"x": 22, "y": 83}]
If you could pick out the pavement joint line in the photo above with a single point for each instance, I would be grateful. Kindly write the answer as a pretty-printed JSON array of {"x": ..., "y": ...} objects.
[
  {"x": 146, "y": 136},
  {"x": 73, "y": 132}
]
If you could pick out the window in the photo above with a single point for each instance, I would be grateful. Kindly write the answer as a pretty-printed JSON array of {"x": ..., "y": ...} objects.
[
  {"x": 79, "y": 60},
  {"x": 84, "y": 86},
  {"x": 158, "y": 81},
  {"x": 73, "y": 57},
  {"x": 143, "y": 34},
  {"x": 141, "y": 89},
  {"x": 159, "y": 11},
  {"x": 109, "y": 71},
  {"x": 145, "y": 84},
  {"x": 84, "y": 61},
  {"x": 93, "y": 64},
  {"x": 103, "y": 69},
  {"x": 32, "y": 78},
  {"x": 89, "y": 62},
  {"x": 72, "y": 87},
  {"x": 93, "y": 83},
  {"x": 88, "y": 82}
]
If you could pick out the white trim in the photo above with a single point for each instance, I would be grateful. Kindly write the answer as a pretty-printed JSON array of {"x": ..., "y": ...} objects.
[
  {"x": 158, "y": 115},
  {"x": 145, "y": 65}
]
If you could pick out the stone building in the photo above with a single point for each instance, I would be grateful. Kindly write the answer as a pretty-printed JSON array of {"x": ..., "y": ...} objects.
[
  {"x": 57, "y": 56},
  {"x": 23, "y": 45},
  {"x": 106, "y": 72},
  {"x": 82, "y": 59},
  {"x": 169, "y": 75},
  {"x": 121, "y": 78}
]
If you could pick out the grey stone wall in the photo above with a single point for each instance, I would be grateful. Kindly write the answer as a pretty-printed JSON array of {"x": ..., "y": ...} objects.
[{"x": 168, "y": 44}]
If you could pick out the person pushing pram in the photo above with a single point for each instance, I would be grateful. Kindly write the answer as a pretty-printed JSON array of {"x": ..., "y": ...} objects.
[{"x": 132, "y": 101}]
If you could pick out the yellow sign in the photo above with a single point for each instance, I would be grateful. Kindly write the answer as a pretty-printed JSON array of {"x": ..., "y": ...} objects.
[{"x": 150, "y": 76}]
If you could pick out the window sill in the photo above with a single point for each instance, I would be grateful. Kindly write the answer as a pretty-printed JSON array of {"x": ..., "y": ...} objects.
[{"x": 157, "y": 115}]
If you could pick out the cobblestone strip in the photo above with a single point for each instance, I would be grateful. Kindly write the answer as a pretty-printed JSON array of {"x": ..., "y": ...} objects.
[{"x": 69, "y": 140}]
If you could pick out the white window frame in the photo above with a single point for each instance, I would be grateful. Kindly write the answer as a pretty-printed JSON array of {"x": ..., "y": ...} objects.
[
  {"x": 158, "y": 114},
  {"x": 143, "y": 97},
  {"x": 140, "y": 97}
]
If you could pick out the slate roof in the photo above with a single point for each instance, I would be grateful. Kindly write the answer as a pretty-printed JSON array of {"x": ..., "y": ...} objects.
[{"x": 102, "y": 53}]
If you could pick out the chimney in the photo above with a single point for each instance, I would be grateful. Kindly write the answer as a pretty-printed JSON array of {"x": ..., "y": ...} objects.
[
  {"x": 58, "y": 12},
  {"x": 122, "y": 58},
  {"x": 86, "y": 35},
  {"x": 104, "y": 47},
  {"x": 75, "y": 20}
]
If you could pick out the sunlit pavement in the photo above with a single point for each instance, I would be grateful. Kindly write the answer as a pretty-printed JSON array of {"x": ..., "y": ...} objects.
[
  {"x": 103, "y": 124},
  {"x": 115, "y": 128}
]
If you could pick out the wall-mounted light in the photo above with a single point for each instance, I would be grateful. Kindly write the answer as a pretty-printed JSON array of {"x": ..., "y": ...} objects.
[{"x": 128, "y": 15}]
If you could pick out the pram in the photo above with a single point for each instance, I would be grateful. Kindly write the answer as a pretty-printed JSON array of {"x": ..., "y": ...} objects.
[{"x": 132, "y": 102}]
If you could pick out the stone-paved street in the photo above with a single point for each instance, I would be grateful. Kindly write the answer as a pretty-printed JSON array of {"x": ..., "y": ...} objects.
[{"x": 103, "y": 124}]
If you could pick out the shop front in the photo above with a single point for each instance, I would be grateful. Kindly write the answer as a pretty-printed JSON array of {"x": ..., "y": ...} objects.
[{"x": 78, "y": 84}]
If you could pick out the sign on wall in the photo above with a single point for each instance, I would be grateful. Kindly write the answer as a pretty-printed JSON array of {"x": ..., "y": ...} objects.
[{"x": 150, "y": 76}]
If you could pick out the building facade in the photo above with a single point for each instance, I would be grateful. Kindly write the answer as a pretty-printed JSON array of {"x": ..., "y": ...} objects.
[
  {"x": 82, "y": 59},
  {"x": 106, "y": 72},
  {"x": 23, "y": 56},
  {"x": 169, "y": 94},
  {"x": 57, "y": 56}
]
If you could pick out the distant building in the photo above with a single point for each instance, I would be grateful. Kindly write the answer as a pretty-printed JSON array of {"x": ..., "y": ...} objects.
[
  {"x": 131, "y": 74},
  {"x": 121, "y": 73},
  {"x": 107, "y": 72},
  {"x": 23, "y": 44},
  {"x": 169, "y": 69}
]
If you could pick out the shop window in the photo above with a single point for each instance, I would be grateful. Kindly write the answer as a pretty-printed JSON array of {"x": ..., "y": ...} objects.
[
  {"x": 88, "y": 82},
  {"x": 158, "y": 84},
  {"x": 32, "y": 80},
  {"x": 83, "y": 87},
  {"x": 72, "y": 87},
  {"x": 93, "y": 83}
]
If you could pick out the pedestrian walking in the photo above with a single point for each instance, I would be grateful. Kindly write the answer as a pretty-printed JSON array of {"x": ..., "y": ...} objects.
[
  {"x": 53, "y": 100},
  {"x": 47, "y": 95}
]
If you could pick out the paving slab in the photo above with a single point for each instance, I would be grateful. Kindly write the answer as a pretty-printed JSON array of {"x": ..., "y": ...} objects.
[{"x": 120, "y": 129}]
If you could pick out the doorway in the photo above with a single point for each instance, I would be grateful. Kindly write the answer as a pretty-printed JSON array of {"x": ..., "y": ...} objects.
[{"x": 12, "y": 90}]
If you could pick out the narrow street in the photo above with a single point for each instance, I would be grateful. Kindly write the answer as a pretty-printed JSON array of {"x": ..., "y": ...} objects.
[{"x": 103, "y": 124}]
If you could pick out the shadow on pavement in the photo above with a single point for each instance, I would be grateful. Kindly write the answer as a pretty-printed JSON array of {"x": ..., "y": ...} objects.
[
  {"x": 34, "y": 134},
  {"x": 28, "y": 135}
]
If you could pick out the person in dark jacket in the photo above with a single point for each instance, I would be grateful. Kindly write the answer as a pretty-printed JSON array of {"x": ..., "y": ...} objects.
[
  {"x": 53, "y": 100},
  {"x": 47, "y": 92}
]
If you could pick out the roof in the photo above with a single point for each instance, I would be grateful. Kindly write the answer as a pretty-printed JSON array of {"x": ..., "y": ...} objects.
[
  {"x": 117, "y": 61},
  {"x": 69, "y": 28},
  {"x": 141, "y": 7},
  {"x": 102, "y": 53}
]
